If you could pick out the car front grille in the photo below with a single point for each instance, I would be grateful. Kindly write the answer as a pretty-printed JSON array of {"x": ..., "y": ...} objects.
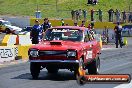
[{"x": 52, "y": 53}]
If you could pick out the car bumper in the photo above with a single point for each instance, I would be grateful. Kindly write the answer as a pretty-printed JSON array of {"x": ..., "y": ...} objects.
[
  {"x": 55, "y": 61},
  {"x": 61, "y": 64}
]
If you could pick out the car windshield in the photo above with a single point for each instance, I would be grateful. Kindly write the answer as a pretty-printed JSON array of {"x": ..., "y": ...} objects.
[
  {"x": 6, "y": 23},
  {"x": 64, "y": 34}
]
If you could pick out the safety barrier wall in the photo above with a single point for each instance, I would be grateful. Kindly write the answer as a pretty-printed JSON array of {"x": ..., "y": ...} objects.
[
  {"x": 23, "y": 46},
  {"x": 98, "y": 25},
  {"x": 15, "y": 47},
  {"x": 8, "y": 53},
  {"x": 23, "y": 51}
]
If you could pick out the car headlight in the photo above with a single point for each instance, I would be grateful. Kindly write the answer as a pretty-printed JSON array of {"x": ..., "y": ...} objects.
[
  {"x": 34, "y": 53},
  {"x": 71, "y": 53}
]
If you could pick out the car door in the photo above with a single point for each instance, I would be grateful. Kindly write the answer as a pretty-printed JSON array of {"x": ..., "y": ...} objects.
[{"x": 95, "y": 44}]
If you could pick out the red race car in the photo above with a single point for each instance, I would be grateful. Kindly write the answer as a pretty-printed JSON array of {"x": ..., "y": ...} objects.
[{"x": 65, "y": 47}]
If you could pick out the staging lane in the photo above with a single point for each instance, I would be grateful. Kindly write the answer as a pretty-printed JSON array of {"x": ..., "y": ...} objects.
[{"x": 112, "y": 61}]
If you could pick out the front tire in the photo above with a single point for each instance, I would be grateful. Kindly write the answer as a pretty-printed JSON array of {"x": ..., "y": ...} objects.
[
  {"x": 94, "y": 66},
  {"x": 35, "y": 70}
]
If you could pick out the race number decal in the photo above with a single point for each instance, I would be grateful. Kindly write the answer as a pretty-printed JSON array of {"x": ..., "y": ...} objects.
[{"x": 89, "y": 54}]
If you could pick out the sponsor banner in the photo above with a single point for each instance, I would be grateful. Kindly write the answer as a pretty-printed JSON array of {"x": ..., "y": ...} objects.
[
  {"x": 104, "y": 78},
  {"x": 8, "y": 53},
  {"x": 108, "y": 78}
]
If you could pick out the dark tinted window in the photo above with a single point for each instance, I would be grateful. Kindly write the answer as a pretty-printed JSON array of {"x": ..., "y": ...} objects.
[{"x": 64, "y": 34}]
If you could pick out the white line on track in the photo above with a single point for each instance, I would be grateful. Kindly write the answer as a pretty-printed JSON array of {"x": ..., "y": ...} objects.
[
  {"x": 129, "y": 85},
  {"x": 109, "y": 48}
]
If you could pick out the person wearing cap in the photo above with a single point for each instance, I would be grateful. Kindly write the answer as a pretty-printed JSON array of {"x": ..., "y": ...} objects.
[
  {"x": 83, "y": 24},
  {"x": 118, "y": 35},
  {"x": 62, "y": 22},
  {"x": 46, "y": 24},
  {"x": 89, "y": 27},
  {"x": 36, "y": 32},
  {"x": 75, "y": 24}
]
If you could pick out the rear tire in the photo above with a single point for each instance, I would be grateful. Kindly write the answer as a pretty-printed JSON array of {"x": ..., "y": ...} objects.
[
  {"x": 94, "y": 66},
  {"x": 35, "y": 70}
]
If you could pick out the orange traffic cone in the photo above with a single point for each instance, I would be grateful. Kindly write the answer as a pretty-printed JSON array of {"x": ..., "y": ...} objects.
[{"x": 17, "y": 40}]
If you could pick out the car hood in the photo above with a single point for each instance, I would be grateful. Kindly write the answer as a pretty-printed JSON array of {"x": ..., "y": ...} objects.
[{"x": 58, "y": 45}]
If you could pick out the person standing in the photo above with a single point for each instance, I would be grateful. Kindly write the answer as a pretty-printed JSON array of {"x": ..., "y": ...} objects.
[
  {"x": 72, "y": 14},
  {"x": 75, "y": 24},
  {"x": 92, "y": 15},
  {"x": 95, "y": 2},
  {"x": 89, "y": 27},
  {"x": 84, "y": 14},
  {"x": 117, "y": 13},
  {"x": 83, "y": 24},
  {"x": 92, "y": 25},
  {"x": 124, "y": 16},
  {"x": 80, "y": 13},
  {"x": 130, "y": 17},
  {"x": 36, "y": 32},
  {"x": 118, "y": 34},
  {"x": 111, "y": 12},
  {"x": 77, "y": 15},
  {"x": 62, "y": 22},
  {"x": 46, "y": 24},
  {"x": 100, "y": 15},
  {"x": 90, "y": 2}
]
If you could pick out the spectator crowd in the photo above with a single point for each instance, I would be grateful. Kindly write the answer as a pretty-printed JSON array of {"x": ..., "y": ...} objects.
[{"x": 113, "y": 16}]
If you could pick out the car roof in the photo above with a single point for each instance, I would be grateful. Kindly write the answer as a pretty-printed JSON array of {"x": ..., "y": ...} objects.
[{"x": 70, "y": 27}]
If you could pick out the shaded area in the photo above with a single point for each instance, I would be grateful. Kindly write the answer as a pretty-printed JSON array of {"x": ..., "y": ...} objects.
[{"x": 60, "y": 76}]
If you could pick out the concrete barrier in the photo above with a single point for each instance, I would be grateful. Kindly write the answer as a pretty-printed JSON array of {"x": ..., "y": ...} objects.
[
  {"x": 24, "y": 40},
  {"x": 98, "y": 25},
  {"x": 23, "y": 51},
  {"x": 21, "y": 42},
  {"x": 13, "y": 39},
  {"x": 8, "y": 53},
  {"x": 9, "y": 40}
]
